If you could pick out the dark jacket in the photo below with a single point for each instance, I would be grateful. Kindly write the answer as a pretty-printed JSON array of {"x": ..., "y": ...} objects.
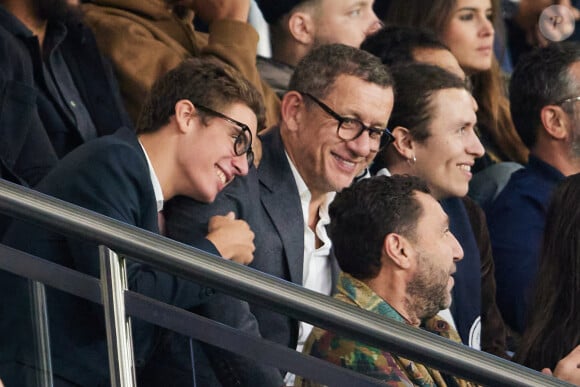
[
  {"x": 516, "y": 225},
  {"x": 110, "y": 176},
  {"x": 493, "y": 329},
  {"x": 26, "y": 154},
  {"x": 21, "y": 68},
  {"x": 269, "y": 201},
  {"x": 474, "y": 306}
]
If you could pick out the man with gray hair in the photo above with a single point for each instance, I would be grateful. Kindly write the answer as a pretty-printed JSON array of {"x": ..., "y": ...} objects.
[
  {"x": 332, "y": 122},
  {"x": 544, "y": 97}
]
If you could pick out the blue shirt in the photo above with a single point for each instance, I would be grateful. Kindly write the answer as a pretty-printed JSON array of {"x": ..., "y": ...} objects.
[{"x": 516, "y": 226}]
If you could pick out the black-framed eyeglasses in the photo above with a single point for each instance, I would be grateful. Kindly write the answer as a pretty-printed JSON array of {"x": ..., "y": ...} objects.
[
  {"x": 243, "y": 141},
  {"x": 350, "y": 128},
  {"x": 566, "y": 100}
]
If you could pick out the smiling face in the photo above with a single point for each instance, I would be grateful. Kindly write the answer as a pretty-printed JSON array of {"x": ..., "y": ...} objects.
[
  {"x": 206, "y": 155},
  {"x": 436, "y": 251},
  {"x": 469, "y": 34},
  {"x": 326, "y": 162},
  {"x": 347, "y": 22},
  {"x": 445, "y": 158}
]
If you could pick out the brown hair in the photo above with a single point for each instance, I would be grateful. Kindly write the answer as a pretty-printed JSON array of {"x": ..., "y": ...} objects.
[
  {"x": 488, "y": 88},
  {"x": 202, "y": 81},
  {"x": 318, "y": 70},
  {"x": 363, "y": 214}
]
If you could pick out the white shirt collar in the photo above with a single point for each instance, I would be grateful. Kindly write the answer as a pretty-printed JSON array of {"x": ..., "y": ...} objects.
[
  {"x": 303, "y": 190},
  {"x": 154, "y": 182},
  {"x": 383, "y": 172}
]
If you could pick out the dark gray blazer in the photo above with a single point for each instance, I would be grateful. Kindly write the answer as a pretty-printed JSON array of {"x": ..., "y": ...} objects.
[{"x": 268, "y": 200}]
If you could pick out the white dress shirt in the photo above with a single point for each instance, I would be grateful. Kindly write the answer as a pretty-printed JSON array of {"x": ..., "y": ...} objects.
[
  {"x": 154, "y": 182},
  {"x": 317, "y": 269}
]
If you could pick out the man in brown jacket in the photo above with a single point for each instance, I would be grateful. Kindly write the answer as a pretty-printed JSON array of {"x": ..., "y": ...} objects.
[{"x": 146, "y": 38}]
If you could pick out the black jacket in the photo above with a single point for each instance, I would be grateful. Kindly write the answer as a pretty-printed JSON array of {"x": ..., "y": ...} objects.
[
  {"x": 29, "y": 119},
  {"x": 110, "y": 176}
]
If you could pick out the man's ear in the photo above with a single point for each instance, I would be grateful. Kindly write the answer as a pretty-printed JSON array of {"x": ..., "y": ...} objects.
[
  {"x": 398, "y": 249},
  {"x": 301, "y": 26},
  {"x": 555, "y": 121},
  {"x": 291, "y": 109},
  {"x": 185, "y": 115},
  {"x": 403, "y": 142}
]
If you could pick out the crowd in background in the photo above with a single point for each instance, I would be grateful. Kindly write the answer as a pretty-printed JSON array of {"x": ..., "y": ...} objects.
[{"x": 169, "y": 115}]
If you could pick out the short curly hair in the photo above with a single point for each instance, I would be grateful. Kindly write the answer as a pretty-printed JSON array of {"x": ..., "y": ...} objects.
[{"x": 362, "y": 215}]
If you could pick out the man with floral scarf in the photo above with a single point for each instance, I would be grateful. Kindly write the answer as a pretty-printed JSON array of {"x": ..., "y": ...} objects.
[{"x": 397, "y": 256}]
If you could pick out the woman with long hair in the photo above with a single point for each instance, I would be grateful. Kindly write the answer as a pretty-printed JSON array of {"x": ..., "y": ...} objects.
[
  {"x": 553, "y": 329},
  {"x": 467, "y": 28}
]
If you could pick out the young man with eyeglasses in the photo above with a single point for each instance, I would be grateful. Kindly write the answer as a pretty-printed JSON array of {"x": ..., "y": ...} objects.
[
  {"x": 545, "y": 107},
  {"x": 316, "y": 150},
  {"x": 195, "y": 136}
]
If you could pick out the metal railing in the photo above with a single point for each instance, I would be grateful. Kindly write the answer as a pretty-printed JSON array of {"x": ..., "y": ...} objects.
[{"x": 258, "y": 288}]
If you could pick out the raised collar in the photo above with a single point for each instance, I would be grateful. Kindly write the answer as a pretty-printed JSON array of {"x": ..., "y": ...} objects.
[
  {"x": 365, "y": 298},
  {"x": 12, "y": 24}
]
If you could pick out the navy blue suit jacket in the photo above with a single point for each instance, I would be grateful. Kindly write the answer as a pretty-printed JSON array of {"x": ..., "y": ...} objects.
[
  {"x": 516, "y": 226},
  {"x": 110, "y": 176}
]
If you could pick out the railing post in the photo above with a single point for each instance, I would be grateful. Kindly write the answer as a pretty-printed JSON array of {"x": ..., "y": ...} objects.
[
  {"x": 118, "y": 325},
  {"x": 242, "y": 282},
  {"x": 40, "y": 329}
]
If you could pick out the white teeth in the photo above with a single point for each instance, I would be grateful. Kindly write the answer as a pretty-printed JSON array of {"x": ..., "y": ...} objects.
[
  {"x": 349, "y": 163},
  {"x": 465, "y": 167},
  {"x": 221, "y": 175}
]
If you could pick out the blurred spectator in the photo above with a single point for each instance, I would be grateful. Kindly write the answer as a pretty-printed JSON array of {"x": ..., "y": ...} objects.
[
  {"x": 146, "y": 38},
  {"x": 552, "y": 329},
  {"x": 396, "y": 45},
  {"x": 26, "y": 154},
  {"x": 256, "y": 19},
  {"x": 433, "y": 123},
  {"x": 53, "y": 73},
  {"x": 522, "y": 16},
  {"x": 77, "y": 97},
  {"x": 467, "y": 28},
  {"x": 56, "y": 91},
  {"x": 544, "y": 95},
  {"x": 298, "y": 26}
]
